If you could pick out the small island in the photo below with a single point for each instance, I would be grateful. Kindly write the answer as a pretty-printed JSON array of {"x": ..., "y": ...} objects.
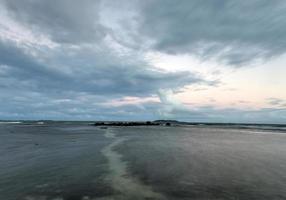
[{"x": 136, "y": 123}]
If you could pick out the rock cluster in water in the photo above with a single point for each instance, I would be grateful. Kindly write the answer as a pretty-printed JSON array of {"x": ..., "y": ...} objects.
[{"x": 130, "y": 123}]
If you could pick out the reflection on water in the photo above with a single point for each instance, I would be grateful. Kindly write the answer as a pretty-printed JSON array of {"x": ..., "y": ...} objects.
[
  {"x": 51, "y": 162},
  {"x": 80, "y": 162}
]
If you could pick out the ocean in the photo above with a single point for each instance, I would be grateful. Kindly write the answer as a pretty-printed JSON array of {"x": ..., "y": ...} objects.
[{"x": 78, "y": 161}]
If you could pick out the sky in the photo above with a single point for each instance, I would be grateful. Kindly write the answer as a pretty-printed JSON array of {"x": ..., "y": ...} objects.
[{"x": 189, "y": 60}]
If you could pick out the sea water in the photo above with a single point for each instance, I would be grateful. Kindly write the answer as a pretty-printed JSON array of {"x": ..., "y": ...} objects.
[{"x": 77, "y": 161}]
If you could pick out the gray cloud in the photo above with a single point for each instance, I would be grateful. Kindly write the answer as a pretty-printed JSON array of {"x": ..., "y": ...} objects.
[
  {"x": 77, "y": 85},
  {"x": 32, "y": 105},
  {"x": 96, "y": 73},
  {"x": 80, "y": 69},
  {"x": 65, "y": 21},
  {"x": 277, "y": 102},
  {"x": 236, "y": 32},
  {"x": 227, "y": 115},
  {"x": 91, "y": 63},
  {"x": 66, "y": 81}
]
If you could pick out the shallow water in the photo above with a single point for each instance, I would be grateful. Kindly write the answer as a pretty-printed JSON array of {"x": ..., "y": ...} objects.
[{"x": 80, "y": 162}]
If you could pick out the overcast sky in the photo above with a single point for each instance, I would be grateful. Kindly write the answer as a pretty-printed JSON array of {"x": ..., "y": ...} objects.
[{"x": 191, "y": 60}]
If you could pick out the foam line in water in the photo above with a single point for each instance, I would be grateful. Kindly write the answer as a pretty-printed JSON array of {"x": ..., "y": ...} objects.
[{"x": 127, "y": 186}]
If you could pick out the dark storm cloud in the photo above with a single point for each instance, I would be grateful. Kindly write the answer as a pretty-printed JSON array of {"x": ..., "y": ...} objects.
[
  {"x": 22, "y": 65},
  {"x": 76, "y": 85},
  {"x": 69, "y": 64},
  {"x": 89, "y": 74},
  {"x": 65, "y": 21},
  {"x": 75, "y": 78},
  {"x": 236, "y": 32}
]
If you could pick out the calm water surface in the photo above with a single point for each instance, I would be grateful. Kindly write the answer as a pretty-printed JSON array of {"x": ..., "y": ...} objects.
[{"x": 80, "y": 162}]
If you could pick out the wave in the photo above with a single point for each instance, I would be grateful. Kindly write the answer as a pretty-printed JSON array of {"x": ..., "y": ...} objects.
[{"x": 10, "y": 122}]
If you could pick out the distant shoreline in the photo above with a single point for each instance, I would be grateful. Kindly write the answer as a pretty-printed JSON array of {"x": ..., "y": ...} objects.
[
  {"x": 179, "y": 123},
  {"x": 140, "y": 123}
]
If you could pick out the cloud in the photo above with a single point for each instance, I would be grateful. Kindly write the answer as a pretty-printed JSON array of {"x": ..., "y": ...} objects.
[
  {"x": 82, "y": 69},
  {"x": 65, "y": 21},
  {"x": 94, "y": 72},
  {"x": 173, "y": 108},
  {"x": 75, "y": 83},
  {"x": 234, "y": 32},
  {"x": 277, "y": 102},
  {"x": 226, "y": 115},
  {"x": 81, "y": 59}
]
